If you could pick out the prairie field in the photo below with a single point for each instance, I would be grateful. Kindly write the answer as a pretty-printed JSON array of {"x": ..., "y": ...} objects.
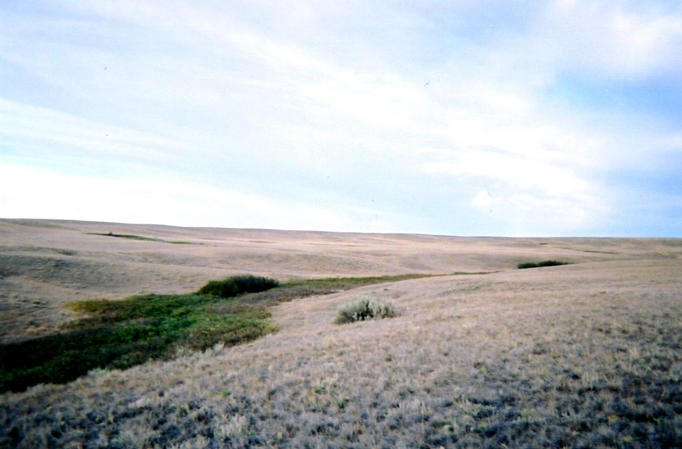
[{"x": 481, "y": 353}]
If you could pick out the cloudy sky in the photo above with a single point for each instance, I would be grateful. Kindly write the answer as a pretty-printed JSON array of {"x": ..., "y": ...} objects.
[{"x": 449, "y": 117}]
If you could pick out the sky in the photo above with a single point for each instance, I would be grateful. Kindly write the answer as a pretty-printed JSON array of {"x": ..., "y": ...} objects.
[{"x": 504, "y": 118}]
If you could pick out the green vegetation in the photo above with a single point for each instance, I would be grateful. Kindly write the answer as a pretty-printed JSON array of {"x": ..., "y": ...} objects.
[
  {"x": 124, "y": 333},
  {"x": 345, "y": 283},
  {"x": 125, "y": 236},
  {"x": 544, "y": 263},
  {"x": 140, "y": 237},
  {"x": 235, "y": 285},
  {"x": 127, "y": 332},
  {"x": 365, "y": 308},
  {"x": 303, "y": 288}
]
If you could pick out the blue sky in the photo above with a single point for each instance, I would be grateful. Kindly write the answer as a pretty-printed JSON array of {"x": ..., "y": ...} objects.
[{"x": 505, "y": 118}]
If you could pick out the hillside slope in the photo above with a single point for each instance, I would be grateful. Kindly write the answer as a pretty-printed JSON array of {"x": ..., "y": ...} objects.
[{"x": 580, "y": 355}]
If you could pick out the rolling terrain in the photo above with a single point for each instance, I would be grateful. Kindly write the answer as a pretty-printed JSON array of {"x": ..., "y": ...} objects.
[{"x": 483, "y": 355}]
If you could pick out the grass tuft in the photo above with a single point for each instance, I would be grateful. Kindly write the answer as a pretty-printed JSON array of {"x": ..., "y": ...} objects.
[
  {"x": 544, "y": 263},
  {"x": 365, "y": 308}
]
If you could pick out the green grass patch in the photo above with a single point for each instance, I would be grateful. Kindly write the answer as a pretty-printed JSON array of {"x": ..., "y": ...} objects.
[
  {"x": 118, "y": 334},
  {"x": 142, "y": 238},
  {"x": 125, "y": 236},
  {"x": 303, "y": 288},
  {"x": 127, "y": 332},
  {"x": 124, "y": 343},
  {"x": 345, "y": 283},
  {"x": 544, "y": 263}
]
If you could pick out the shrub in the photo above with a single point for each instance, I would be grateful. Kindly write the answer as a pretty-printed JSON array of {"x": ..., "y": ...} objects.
[
  {"x": 226, "y": 288},
  {"x": 365, "y": 308},
  {"x": 253, "y": 284},
  {"x": 236, "y": 285},
  {"x": 544, "y": 263}
]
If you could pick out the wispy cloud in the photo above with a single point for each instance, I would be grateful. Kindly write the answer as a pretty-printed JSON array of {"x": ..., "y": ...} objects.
[
  {"x": 615, "y": 39},
  {"x": 43, "y": 128},
  {"x": 162, "y": 199},
  {"x": 492, "y": 115}
]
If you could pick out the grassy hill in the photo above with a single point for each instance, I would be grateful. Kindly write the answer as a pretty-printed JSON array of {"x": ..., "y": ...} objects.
[{"x": 581, "y": 355}]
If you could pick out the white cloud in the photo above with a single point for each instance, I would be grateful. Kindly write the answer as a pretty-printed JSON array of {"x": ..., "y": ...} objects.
[
  {"x": 613, "y": 38},
  {"x": 44, "y": 128},
  {"x": 222, "y": 85},
  {"x": 525, "y": 191},
  {"x": 482, "y": 200},
  {"x": 42, "y": 193}
]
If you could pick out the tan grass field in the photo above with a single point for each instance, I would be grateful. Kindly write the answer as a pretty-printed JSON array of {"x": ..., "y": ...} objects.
[{"x": 580, "y": 355}]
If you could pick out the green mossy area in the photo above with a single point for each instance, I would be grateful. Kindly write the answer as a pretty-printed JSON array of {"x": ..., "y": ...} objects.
[
  {"x": 127, "y": 332},
  {"x": 140, "y": 237},
  {"x": 544, "y": 263}
]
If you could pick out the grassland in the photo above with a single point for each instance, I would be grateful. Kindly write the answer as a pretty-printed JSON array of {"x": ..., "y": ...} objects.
[
  {"x": 586, "y": 355},
  {"x": 119, "y": 334}
]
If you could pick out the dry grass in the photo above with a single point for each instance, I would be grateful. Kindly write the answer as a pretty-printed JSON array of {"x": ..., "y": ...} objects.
[
  {"x": 45, "y": 264},
  {"x": 582, "y": 355}
]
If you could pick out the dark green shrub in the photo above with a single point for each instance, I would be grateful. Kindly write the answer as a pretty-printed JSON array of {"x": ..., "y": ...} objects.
[
  {"x": 236, "y": 285},
  {"x": 253, "y": 284},
  {"x": 223, "y": 289},
  {"x": 544, "y": 263},
  {"x": 365, "y": 308}
]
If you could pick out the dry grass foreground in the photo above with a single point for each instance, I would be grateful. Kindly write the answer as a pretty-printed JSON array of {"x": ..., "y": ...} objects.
[{"x": 581, "y": 355}]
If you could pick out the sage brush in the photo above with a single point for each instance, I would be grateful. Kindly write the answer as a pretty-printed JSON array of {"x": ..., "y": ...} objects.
[{"x": 365, "y": 308}]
